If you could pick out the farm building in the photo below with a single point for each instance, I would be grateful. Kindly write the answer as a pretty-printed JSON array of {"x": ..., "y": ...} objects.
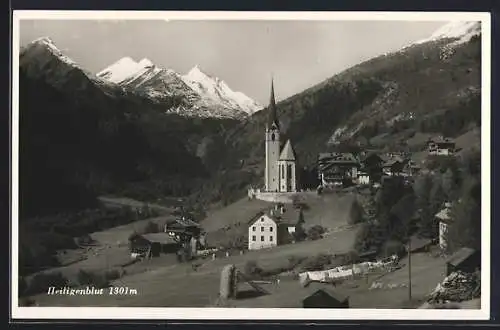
[
  {"x": 466, "y": 260},
  {"x": 321, "y": 296},
  {"x": 151, "y": 245},
  {"x": 440, "y": 146},
  {"x": 182, "y": 227}
]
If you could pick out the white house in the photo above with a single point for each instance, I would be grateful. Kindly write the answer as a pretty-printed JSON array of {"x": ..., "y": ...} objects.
[
  {"x": 444, "y": 219},
  {"x": 363, "y": 178},
  {"x": 262, "y": 233}
]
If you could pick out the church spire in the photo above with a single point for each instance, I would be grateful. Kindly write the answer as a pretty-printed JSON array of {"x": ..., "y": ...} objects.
[{"x": 273, "y": 118}]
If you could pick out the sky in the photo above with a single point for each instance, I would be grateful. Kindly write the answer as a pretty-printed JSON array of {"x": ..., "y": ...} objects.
[{"x": 245, "y": 54}]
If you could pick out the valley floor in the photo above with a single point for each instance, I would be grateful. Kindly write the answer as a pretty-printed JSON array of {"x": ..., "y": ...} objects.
[{"x": 162, "y": 282}]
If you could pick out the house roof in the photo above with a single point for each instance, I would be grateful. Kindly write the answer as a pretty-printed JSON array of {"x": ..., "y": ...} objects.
[
  {"x": 440, "y": 139},
  {"x": 162, "y": 238},
  {"x": 444, "y": 214},
  {"x": 184, "y": 222},
  {"x": 419, "y": 242},
  {"x": 313, "y": 287},
  {"x": 337, "y": 157},
  {"x": 287, "y": 153},
  {"x": 461, "y": 255},
  {"x": 288, "y": 218}
]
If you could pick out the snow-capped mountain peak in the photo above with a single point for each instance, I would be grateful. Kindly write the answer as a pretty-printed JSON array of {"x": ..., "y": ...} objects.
[
  {"x": 124, "y": 69},
  {"x": 457, "y": 29},
  {"x": 216, "y": 89},
  {"x": 49, "y": 44},
  {"x": 199, "y": 88},
  {"x": 461, "y": 31}
]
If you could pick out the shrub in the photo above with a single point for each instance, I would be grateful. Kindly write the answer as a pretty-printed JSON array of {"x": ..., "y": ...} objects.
[
  {"x": 84, "y": 240},
  {"x": 112, "y": 275},
  {"x": 27, "y": 302},
  {"x": 42, "y": 282},
  {"x": 294, "y": 261},
  {"x": 151, "y": 227},
  {"x": 317, "y": 262},
  {"x": 393, "y": 247},
  {"x": 356, "y": 213},
  {"x": 251, "y": 268},
  {"x": 315, "y": 232},
  {"x": 91, "y": 278}
]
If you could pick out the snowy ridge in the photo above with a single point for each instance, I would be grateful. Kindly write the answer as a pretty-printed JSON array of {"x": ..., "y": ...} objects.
[
  {"x": 125, "y": 69},
  {"x": 218, "y": 91},
  {"x": 48, "y": 44},
  {"x": 195, "y": 94},
  {"x": 204, "y": 92},
  {"x": 461, "y": 31}
]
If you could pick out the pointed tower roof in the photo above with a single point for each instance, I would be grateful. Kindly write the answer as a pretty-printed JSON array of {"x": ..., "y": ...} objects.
[
  {"x": 287, "y": 153},
  {"x": 273, "y": 118}
]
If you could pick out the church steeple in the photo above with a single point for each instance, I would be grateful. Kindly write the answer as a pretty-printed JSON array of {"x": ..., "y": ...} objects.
[{"x": 273, "y": 118}]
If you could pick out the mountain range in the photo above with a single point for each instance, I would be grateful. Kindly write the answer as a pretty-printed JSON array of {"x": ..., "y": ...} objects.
[
  {"x": 144, "y": 131},
  {"x": 196, "y": 93}
]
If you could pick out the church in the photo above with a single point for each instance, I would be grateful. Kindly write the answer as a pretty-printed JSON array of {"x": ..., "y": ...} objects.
[{"x": 280, "y": 173}]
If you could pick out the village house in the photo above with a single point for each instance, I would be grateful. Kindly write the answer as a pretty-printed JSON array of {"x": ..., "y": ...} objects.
[
  {"x": 152, "y": 244},
  {"x": 440, "y": 146},
  {"x": 337, "y": 169},
  {"x": 444, "y": 219},
  {"x": 271, "y": 228},
  {"x": 182, "y": 227}
]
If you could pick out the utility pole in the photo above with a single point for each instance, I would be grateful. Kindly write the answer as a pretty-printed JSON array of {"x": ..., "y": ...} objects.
[{"x": 409, "y": 269}]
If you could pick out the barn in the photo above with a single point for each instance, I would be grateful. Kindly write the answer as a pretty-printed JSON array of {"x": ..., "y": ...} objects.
[
  {"x": 322, "y": 296},
  {"x": 152, "y": 245},
  {"x": 466, "y": 260}
]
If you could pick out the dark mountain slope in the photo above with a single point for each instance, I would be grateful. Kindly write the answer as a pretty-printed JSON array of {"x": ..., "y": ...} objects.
[{"x": 76, "y": 140}]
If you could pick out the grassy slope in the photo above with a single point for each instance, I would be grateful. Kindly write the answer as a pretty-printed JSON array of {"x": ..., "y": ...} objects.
[
  {"x": 167, "y": 284},
  {"x": 330, "y": 211}
]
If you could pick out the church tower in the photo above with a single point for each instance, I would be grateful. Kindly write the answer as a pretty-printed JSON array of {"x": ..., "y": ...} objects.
[{"x": 272, "y": 146}]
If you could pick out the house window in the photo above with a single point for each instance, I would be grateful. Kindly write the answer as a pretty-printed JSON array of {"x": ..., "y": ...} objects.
[
  {"x": 271, "y": 229},
  {"x": 262, "y": 219},
  {"x": 261, "y": 228},
  {"x": 262, "y": 238},
  {"x": 282, "y": 171},
  {"x": 254, "y": 238},
  {"x": 270, "y": 238},
  {"x": 253, "y": 228}
]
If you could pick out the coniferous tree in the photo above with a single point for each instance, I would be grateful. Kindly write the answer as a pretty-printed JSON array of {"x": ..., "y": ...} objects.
[
  {"x": 422, "y": 189},
  {"x": 300, "y": 233}
]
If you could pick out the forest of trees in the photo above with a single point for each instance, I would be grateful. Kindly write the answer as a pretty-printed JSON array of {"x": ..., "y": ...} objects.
[{"x": 398, "y": 211}]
